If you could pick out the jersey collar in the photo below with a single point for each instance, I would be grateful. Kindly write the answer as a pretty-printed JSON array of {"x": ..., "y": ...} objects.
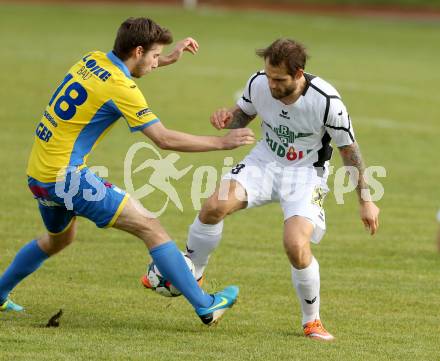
[
  {"x": 309, "y": 78},
  {"x": 119, "y": 63}
]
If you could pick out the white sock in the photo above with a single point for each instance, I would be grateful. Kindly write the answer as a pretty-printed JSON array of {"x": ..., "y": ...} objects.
[
  {"x": 202, "y": 240},
  {"x": 306, "y": 282}
]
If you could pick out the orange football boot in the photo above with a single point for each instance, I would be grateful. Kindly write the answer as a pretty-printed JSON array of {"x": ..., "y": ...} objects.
[{"x": 316, "y": 331}]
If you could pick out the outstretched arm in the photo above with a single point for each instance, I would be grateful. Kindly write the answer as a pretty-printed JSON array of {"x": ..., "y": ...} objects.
[
  {"x": 174, "y": 140},
  {"x": 234, "y": 118},
  {"x": 187, "y": 44},
  {"x": 369, "y": 212}
]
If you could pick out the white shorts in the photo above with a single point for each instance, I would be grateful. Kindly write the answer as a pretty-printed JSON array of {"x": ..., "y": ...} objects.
[{"x": 299, "y": 190}]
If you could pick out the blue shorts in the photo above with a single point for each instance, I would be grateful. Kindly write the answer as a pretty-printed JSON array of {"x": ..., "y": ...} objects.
[{"x": 82, "y": 193}]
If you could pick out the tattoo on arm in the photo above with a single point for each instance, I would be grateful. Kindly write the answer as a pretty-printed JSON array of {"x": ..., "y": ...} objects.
[
  {"x": 351, "y": 156},
  {"x": 239, "y": 119}
]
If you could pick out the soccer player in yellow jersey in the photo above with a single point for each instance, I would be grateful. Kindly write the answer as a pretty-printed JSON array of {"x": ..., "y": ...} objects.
[{"x": 95, "y": 93}]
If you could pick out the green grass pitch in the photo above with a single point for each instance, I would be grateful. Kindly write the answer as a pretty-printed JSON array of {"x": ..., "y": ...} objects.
[{"x": 380, "y": 296}]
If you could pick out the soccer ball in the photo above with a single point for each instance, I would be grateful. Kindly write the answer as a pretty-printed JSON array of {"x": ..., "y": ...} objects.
[{"x": 161, "y": 285}]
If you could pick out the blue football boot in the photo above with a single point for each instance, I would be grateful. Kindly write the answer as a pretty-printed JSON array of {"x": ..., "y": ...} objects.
[
  {"x": 8, "y": 305},
  {"x": 223, "y": 301}
]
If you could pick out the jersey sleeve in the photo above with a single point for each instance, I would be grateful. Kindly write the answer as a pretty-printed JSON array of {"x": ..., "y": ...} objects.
[
  {"x": 134, "y": 108},
  {"x": 245, "y": 102},
  {"x": 338, "y": 124}
]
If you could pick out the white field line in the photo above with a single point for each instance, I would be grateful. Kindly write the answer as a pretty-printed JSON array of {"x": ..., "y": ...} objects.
[
  {"x": 387, "y": 89},
  {"x": 385, "y": 123}
]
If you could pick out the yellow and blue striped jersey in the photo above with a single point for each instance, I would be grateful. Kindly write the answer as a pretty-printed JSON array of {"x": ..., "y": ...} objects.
[{"x": 96, "y": 92}]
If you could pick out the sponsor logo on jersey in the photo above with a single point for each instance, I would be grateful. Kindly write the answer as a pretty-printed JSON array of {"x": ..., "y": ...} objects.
[
  {"x": 92, "y": 68},
  {"x": 43, "y": 132},
  {"x": 50, "y": 118},
  {"x": 285, "y": 137},
  {"x": 47, "y": 203},
  {"x": 284, "y": 114},
  {"x": 143, "y": 113},
  {"x": 280, "y": 150}
]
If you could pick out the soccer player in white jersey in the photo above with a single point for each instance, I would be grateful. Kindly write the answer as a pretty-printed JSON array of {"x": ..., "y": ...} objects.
[{"x": 300, "y": 114}]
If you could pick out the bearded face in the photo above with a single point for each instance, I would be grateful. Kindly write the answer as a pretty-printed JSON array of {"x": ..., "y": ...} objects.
[
  {"x": 147, "y": 62},
  {"x": 281, "y": 83}
]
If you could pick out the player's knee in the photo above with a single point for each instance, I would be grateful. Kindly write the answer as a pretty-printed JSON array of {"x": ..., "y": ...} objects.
[
  {"x": 54, "y": 243},
  {"x": 63, "y": 239},
  {"x": 213, "y": 211},
  {"x": 298, "y": 253}
]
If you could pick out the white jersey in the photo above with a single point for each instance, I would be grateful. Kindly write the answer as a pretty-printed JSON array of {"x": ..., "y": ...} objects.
[{"x": 298, "y": 134}]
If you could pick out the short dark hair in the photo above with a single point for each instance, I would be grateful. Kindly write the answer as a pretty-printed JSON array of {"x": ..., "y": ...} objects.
[
  {"x": 135, "y": 32},
  {"x": 285, "y": 51}
]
